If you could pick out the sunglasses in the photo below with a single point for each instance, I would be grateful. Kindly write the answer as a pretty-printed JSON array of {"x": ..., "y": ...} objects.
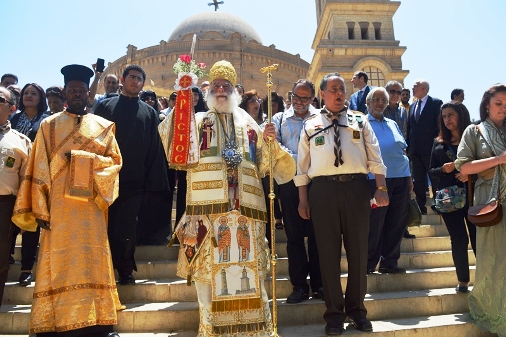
[
  {"x": 393, "y": 92},
  {"x": 4, "y": 100},
  {"x": 54, "y": 90}
]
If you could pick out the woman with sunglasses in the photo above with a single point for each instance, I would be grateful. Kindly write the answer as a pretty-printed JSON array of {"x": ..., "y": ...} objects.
[
  {"x": 55, "y": 99},
  {"x": 33, "y": 109},
  {"x": 149, "y": 97},
  {"x": 251, "y": 104}
]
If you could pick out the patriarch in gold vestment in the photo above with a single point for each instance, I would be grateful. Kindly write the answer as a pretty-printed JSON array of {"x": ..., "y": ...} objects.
[
  {"x": 222, "y": 234},
  {"x": 70, "y": 181}
]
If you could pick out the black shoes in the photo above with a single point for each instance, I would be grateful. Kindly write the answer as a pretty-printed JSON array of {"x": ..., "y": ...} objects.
[
  {"x": 126, "y": 278},
  {"x": 407, "y": 235},
  {"x": 318, "y": 294},
  {"x": 334, "y": 329},
  {"x": 25, "y": 279},
  {"x": 462, "y": 289},
  {"x": 297, "y": 296},
  {"x": 391, "y": 270},
  {"x": 362, "y": 324}
]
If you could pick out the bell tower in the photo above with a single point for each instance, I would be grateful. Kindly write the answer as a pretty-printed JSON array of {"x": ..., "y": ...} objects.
[{"x": 357, "y": 35}]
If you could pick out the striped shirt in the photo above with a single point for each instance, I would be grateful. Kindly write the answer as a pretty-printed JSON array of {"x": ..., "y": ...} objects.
[{"x": 289, "y": 132}]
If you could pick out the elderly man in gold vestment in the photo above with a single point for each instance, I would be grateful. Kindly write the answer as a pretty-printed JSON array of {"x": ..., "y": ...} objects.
[
  {"x": 70, "y": 181},
  {"x": 225, "y": 188}
]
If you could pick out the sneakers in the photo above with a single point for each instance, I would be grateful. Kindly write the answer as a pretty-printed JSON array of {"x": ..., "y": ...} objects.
[{"x": 297, "y": 296}]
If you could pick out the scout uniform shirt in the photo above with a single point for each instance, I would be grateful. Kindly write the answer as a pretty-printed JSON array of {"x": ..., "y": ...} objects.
[{"x": 359, "y": 146}]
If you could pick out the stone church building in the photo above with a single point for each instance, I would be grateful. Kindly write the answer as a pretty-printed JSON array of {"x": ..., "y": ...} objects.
[{"x": 351, "y": 35}]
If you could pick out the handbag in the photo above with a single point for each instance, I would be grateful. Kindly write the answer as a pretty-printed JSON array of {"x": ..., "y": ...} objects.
[
  {"x": 450, "y": 199},
  {"x": 490, "y": 213},
  {"x": 414, "y": 214}
]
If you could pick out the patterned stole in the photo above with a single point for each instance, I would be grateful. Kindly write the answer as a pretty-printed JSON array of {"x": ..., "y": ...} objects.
[
  {"x": 496, "y": 141},
  {"x": 82, "y": 135}
]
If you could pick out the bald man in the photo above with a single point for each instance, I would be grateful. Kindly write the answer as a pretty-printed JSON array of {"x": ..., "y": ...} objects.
[{"x": 422, "y": 129}]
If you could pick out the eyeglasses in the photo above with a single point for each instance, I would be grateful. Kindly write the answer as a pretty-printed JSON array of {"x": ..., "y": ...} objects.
[
  {"x": 393, "y": 92},
  {"x": 382, "y": 100},
  {"x": 300, "y": 99},
  {"x": 254, "y": 100},
  {"x": 4, "y": 100},
  {"x": 225, "y": 86},
  {"x": 135, "y": 78}
]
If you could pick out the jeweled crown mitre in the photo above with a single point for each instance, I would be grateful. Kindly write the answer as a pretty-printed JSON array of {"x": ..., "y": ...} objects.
[{"x": 223, "y": 70}]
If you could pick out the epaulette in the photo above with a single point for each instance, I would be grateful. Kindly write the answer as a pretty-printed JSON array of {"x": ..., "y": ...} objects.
[
  {"x": 358, "y": 116},
  {"x": 304, "y": 125}
]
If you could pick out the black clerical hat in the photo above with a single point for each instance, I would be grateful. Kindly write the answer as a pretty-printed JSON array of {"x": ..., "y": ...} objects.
[{"x": 76, "y": 72}]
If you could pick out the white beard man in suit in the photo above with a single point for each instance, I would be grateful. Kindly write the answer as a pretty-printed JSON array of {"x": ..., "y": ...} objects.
[
  {"x": 422, "y": 129},
  {"x": 357, "y": 100}
]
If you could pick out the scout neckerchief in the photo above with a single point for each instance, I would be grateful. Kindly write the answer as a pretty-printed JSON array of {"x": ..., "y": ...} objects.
[{"x": 337, "y": 139}]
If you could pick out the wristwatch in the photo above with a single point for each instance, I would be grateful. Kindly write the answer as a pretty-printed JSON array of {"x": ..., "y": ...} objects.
[{"x": 382, "y": 188}]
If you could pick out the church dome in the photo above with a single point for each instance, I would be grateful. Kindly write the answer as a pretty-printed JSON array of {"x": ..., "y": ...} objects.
[{"x": 220, "y": 22}]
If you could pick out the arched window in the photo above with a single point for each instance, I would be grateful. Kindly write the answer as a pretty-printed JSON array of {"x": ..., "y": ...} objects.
[{"x": 376, "y": 77}]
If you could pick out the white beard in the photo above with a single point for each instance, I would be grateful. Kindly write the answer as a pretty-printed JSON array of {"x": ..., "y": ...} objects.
[{"x": 233, "y": 101}]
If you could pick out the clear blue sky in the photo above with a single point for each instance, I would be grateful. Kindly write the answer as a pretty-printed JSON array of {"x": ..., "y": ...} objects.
[{"x": 451, "y": 43}]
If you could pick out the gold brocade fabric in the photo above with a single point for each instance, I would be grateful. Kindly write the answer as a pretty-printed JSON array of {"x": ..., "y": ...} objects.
[
  {"x": 222, "y": 235},
  {"x": 228, "y": 258},
  {"x": 75, "y": 285}
]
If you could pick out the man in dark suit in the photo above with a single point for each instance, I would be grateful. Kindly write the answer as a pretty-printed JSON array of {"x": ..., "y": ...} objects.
[
  {"x": 422, "y": 129},
  {"x": 357, "y": 100}
]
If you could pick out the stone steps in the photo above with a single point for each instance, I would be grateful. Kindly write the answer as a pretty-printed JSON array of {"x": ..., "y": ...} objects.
[
  {"x": 182, "y": 316},
  {"x": 176, "y": 290},
  {"x": 150, "y": 253},
  {"x": 160, "y": 269},
  {"x": 421, "y": 302}
]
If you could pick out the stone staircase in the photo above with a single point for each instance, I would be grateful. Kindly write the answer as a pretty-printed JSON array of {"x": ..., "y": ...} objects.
[{"x": 420, "y": 303}]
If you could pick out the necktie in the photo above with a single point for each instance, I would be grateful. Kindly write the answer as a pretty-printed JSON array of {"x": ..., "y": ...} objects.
[
  {"x": 360, "y": 94},
  {"x": 418, "y": 110},
  {"x": 337, "y": 145}
]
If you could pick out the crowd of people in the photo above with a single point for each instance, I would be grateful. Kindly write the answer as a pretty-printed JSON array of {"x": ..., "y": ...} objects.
[{"x": 344, "y": 172}]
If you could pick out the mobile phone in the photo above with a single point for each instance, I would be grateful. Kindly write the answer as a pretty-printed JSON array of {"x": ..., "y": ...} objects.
[{"x": 100, "y": 65}]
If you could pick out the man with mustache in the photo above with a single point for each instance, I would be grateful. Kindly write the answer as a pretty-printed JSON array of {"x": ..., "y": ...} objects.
[
  {"x": 70, "y": 181},
  {"x": 337, "y": 149},
  {"x": 225, "y": 195}
]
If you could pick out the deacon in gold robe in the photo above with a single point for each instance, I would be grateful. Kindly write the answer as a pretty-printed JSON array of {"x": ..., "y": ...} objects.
[
  {"x": 71, "y": 180},
  {"x": 226, "y": 205}
]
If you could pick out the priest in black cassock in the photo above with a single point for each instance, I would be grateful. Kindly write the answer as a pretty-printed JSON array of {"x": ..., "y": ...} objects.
[{"x": 144, "y": 166}]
